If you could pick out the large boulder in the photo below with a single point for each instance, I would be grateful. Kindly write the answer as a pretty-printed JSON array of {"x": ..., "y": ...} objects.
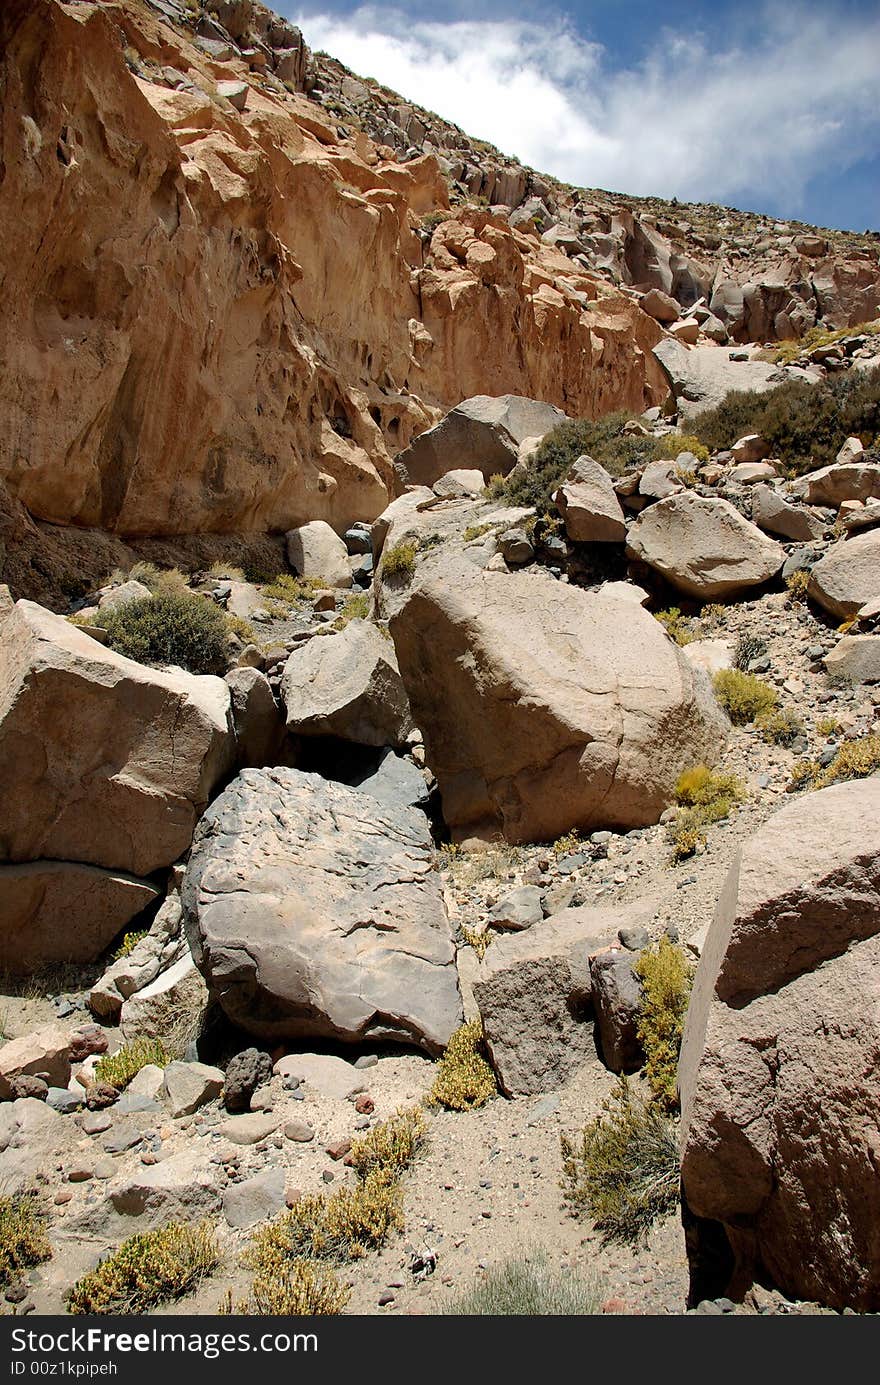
[
  {"x": 314, "y": 911},
  {"x": 347, "y": 685},
  {"x": 848, "y": 576},
  {"x": 776, "y": 515},
  {"x": 105, "y": 761},
  {"x": 856, "y": 657},
  {"x": 832, "y": 485},
  {"x": 702, "y": 376},
  {"x": 589, "y": 507},
  {"x": 41, "y": 898},
  {"x": 544, "y": 707},
  {"x": 780, "y": 1085},
  {"x": 480, "y": 434},
  {"x": 314, "y": 550},
  {"x": 703, "y": 547},
  {"x": 256, "y": 716}
]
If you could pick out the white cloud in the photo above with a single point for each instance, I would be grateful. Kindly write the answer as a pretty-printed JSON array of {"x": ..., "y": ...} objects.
[{"x": 798, "y": 99}]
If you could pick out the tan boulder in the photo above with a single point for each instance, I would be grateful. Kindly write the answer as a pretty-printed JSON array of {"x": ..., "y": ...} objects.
[
  {"x": 256, "y": 716},
  {"x": 105, "y": 761},
  {"x": 856, "y": 657},
  {"x": 703, "y": 547},
  {"x": 544, "y": 707},
  {"x": 750, "y": 473},
  {"x": 776, "y": 515},
  {"x": 848, "y": 576},
  {"x": 347, "y": 685},
  {"x": 687, "y": 331},
  {"x": 482, "y": 434},
  {"x": 660, "y": 306},
  {"x": 64, "y": 911},
  {"x": 831, "y": 485},
  {"x": 749, "y": 448},
  {"x": 314, "y": 550},
  {"x": 589, "y": 507},
  {"x": 780, "y": 1089},
  {"x": 45, "y": 1052}
]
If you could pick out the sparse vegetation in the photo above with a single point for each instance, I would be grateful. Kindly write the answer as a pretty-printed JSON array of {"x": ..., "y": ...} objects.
[
  {"x": 400, "y": 561},
  {"x": 666, "y": 977},
  {"x": 150, "y": 1268},
  {"x": 119, "y": 1068},
  {"x": 827, "y": 726},
  {"x": 294, "y": 591},
  {"x": 803, "y": 774},
  {"x": 338, "y": 1226},
  {"x": 390, "y": 1146},
  {"x": 565, "y": 845},
  {"x": 798, "y": 584},
  {"x": 749, "y": 647},
  {"x": 476, "y": 938},
  {"x": 781, "y": 727},
  {"x": 527, "y": 1285},
  {"x": 170, "y": 628},
  {"x": 854, "y": 760},
  {"x": 622, "y": 1171},
  {"x": 357, "y": 607},
  {"x": 226, "y": 572},
  {"x": 155, "y": 578},
  {"x": 129, "y": 943},
  {"x": 743, "y": 696},
  {"x": 677, "y": 626},
  {"x": 803, "y": 424},
  {"x": 23, "y": 1239},
  {"x": 705, "y": 796},
  {"x": 297, "y": 1289},
  {"x": 464, "y": 1078},
  {"x": 686, "y": 833},
  {"x": 787, "y": 351}
]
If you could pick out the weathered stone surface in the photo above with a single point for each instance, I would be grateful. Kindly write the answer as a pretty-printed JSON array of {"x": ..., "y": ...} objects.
[
  {"x": 703, "y": 547},
  {"x": 459, "y": 482},
  {"x": 63, "y": 911},
  {"x": 779, "y": 1083},
  {"x": 659, "y": 305},
  {"x": 395, "y": 782},
  {"x": 749, "y": 448},
  {"x": 480, "y": 434},
  {"x": 149, "y": 956},
  {"x": 314, "y": 550},
  {"x": 848, "y": 576},
  {"x": 115, "y": 597},
  {"x": 245, "y": 1072},
  {"x": 256, "y": 717},
  {"x": 517, "y": 910},
  {"x": 832, "y": 485},
  {"x": 856, "y": 657},
  {"x": 44, "y": 1051},
  {"x": 172, "y": 1003},
  {"x": 325, "y": 1074},
  {"x": 187, "y": 1086},
  {"x": 249, "y": 1129},
  {"x": 117, "y": 781},
  {"x": 347, "y": 685},
  {"x": 32, "y": 1134},
  {"x": 711, "y": 655},
  {"x": 544, "y": 707},
  {"x": 313, "y": 910},
  {"x": 254, "y": 1199},
  {"x": 588, "y": 505},
  {"x": 776, "y": 515},
  {"x": 617, "y": 999},
  {"x": 703, "y": 376},
  {"x": 179, "y": 1188}
]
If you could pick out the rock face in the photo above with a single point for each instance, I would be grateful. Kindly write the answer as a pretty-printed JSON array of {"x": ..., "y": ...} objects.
[
  {"x": 347, "y": 685},
  {"x": 481, "y": 434},
  {"x": 773, "y": 513},
  {"x": 617, "y": 1000},
  {"x": 701, "y": 376},
  {"x": 703, "y": 547},
  {"x": 589, "y": 507},
  {"x": 313, "y": 911},
  {"x": 244, "y": 255},
  {"x": 832, "y": 485},
  {"x": 543, "y": 707},
  {"x": 119, "y": 779},
  {"x": 856, "y": 657},
  {"x": 62, "y": 911},
  {"x": 848, "y": 576},
  {"x": 778, "y": 1074}
]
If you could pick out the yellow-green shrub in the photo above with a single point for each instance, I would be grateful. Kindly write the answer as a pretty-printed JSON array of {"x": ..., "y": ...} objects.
[
  {"x": 464, "y": 1078},
  {"x": 666, "y": 977},
  {"x": 150, "y": 1268},
  {"x": 743, "y": 696},
  {"x": 297, "y": 1289},
  {"x": 391, "y": 1146},
  {"x": 854, "y": 760},
  {"x": 170, "y": 628},
  {"x": 332, "y": 1226},
  {"x": 23, "y": 1239},
  {"x": 119, "y": 1068},
  {"x": 400, "y": 560}
]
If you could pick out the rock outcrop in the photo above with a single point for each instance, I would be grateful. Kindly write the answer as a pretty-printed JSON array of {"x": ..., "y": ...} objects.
[
  {"x": 848, "y": 576},
  {"x": 704, "y": 547},
  {"x": 779, "y": 1065},
  {"x": 543, "y": 707},
  {"x": 482, "y": 434},
  {"x": 312, "y": 910}
]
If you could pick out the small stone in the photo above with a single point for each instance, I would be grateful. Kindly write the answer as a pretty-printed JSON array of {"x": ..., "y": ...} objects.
[
  {"x": 365, "y": 1105},
  {"x": 328, "y": 1176},
  {"x": 79, "y": 1174},
  {"x": 386, "y": 1298},
  {"x": 633, "y": 937},
  {"x": 338, "y": 1149},
  {"x": 105, "y": 1169},
  {"x": 299, "y": 1131},
  {"x": 63, "y": 1197},
  {"x": 366, "y": 1060},
  {"x": 95, "y": 1123}
]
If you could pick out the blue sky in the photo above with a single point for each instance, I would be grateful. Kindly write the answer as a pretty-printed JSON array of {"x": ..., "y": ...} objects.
[{"x": 772, "y": 107}]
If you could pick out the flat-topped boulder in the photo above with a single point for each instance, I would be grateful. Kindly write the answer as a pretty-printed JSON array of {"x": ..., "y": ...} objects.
[
  {"x": 848, "y": 576},
  {"x": 704, "y": 547}
]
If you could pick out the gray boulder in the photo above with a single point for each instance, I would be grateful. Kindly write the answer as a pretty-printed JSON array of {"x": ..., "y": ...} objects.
[
  {"x": 480, "y": 434},
  {"x": 347, "y": 685},
  {"x": 617, "y": 1001}
]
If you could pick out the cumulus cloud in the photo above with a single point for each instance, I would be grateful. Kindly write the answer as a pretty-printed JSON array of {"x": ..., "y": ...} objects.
[{"x": 793, "y": 98}]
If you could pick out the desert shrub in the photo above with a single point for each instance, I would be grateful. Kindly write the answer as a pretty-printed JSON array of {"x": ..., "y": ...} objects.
[
  {"x": 476, "y": 531},
  {"x": 780, "y": 728},
  {"x": 713, "y": 791},
  {"x": 676, "y": 625},
  {"x": 478, "y": 939},
  {"x": 743, "y": 697},
  {"x": 170, "y": 628},
  {"x": 400, "y": 560},
  {"x": 301, "y": 1289},
  {"x": 527, "y": 1285},
  {"x": 119, "y": 1068},
  {"x": 565, "y": 845},
  {"x": 798, "y": 584},
  {"x": 464, "y": 1078},
  {"x": 804, "y": 774},
  {"x": 295, "y": 591},
  {"x": 713, "y": 612},
  {"x": 129, "y": 943},
  {"x": 803, "y": 424},
  {"x": 748, "y": 648},
  {"x": 622, "y": 1170},
  {"x": 150, "y": 1268},
  {"x": 391, "y": 1146},
  {"x": 156, "y": 578},
  {"x": 827, "y": 726},
  {"x": 237, "y": 625},
  {"x": 23, "y": 1239},
  {"x": 666, "y": 977},
  {"x": 854, "y": 760},
  {"x": 788, "y": 351},
  {"x": 357, "y": 607},
  {"x": 332, "y": 1226},
  {"x": 431, "y": 220},
  {"x": 226, "y": 572},
  {"x": 686, "y": 833}
]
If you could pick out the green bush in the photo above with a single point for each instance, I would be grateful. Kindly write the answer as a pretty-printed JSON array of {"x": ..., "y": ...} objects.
[
  {"x": 119, "y": 1068},
  {"x": 705, "y": 796},
  {"x": 391, "y": 1146},
  {"x": 780, "y": 728},
  {"x": 677, "y": 626},
  {"x": 622, "y": 1171},
  {"x": 803, "y": 424},
  {"x": 23, "y": 1239},
  {"x": 295, "y": 591},
  {"x": 666, "y": 976},
  {"x": 527, "y": 1285},
  {"x": 749, "y": 647},
  {"x": 150, "y": 1268},
  {"x": 292, "y": 1289},
  {"x": 854, "y": 760},
  {"x": 464, "y": 1078},
  {"x": 400, "y": 560},
  {"x": 170, "y": 628},
  {"x": 743, "y": 697},
  {"x": 357, "y": 607},
  {"x": 332, "y": 1226}
]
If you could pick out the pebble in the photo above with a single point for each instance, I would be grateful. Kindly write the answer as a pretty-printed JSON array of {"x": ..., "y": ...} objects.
[
  {"x": 366, "y": 1060},
  {"x": 299, "y": 1131}
]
